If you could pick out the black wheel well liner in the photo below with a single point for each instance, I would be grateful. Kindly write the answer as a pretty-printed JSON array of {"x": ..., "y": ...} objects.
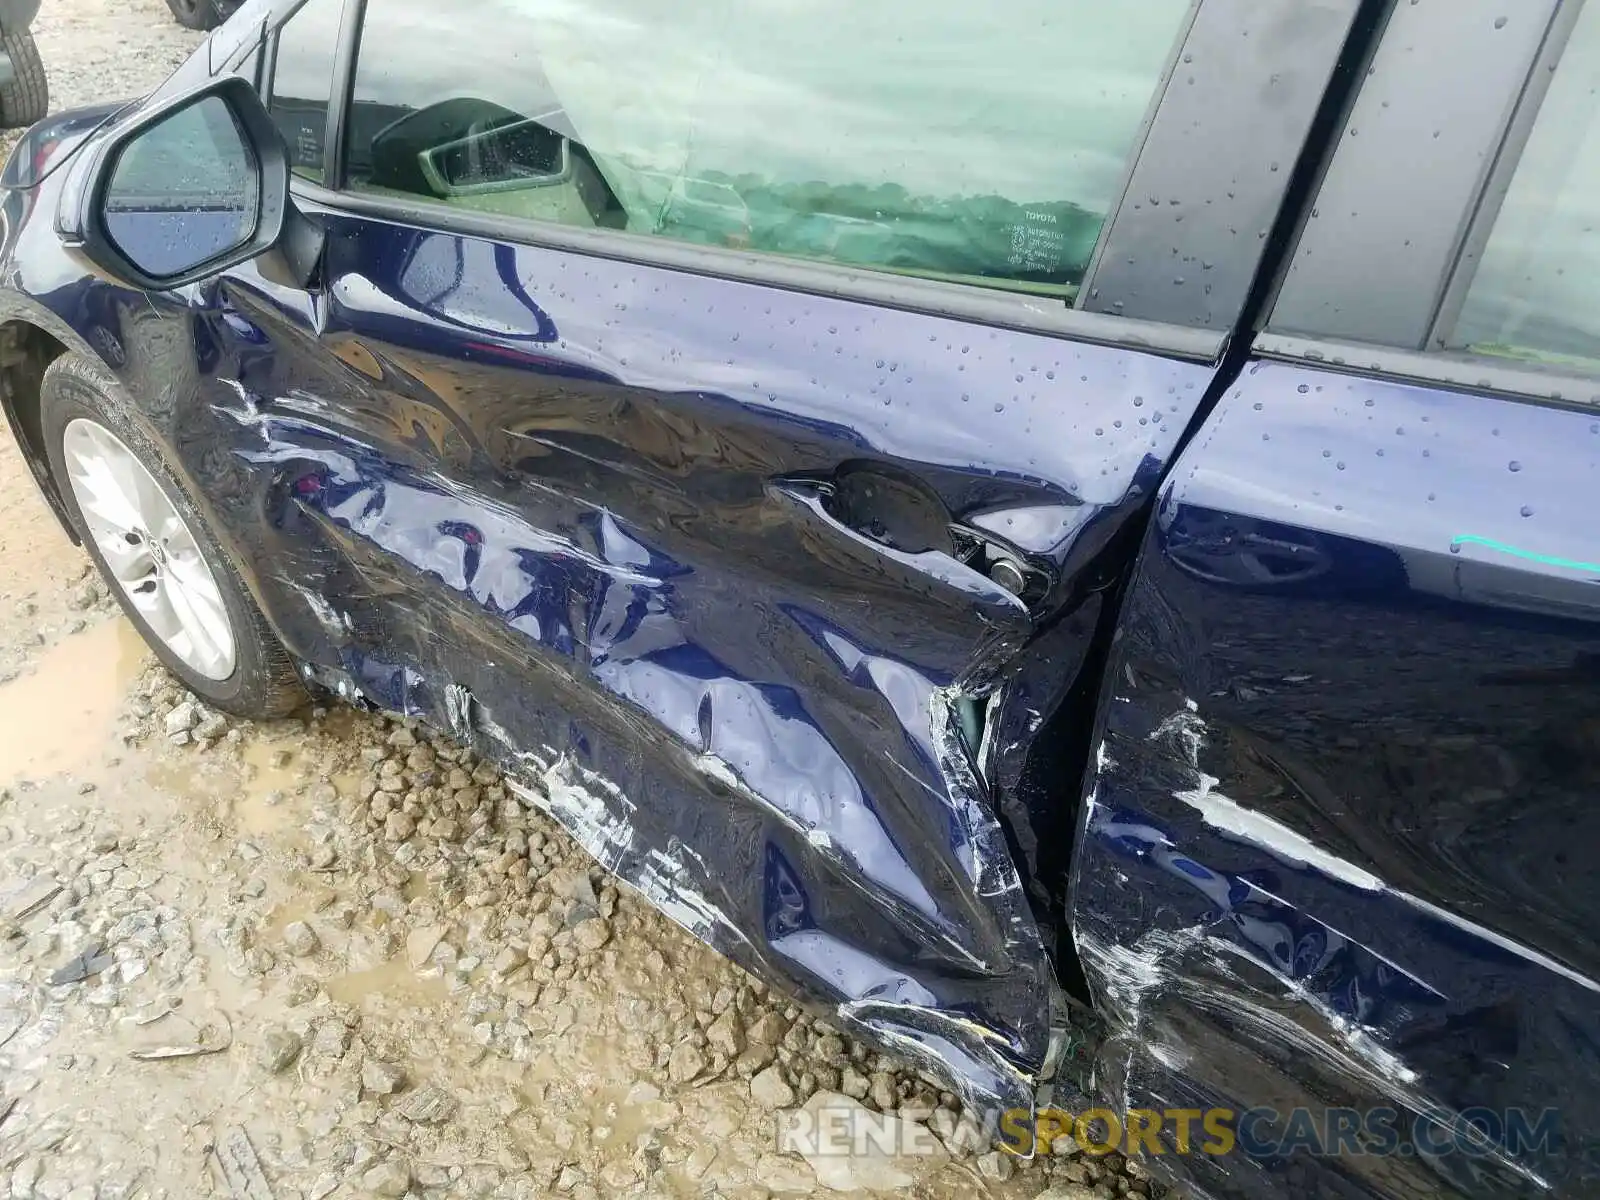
[{"x": 25, "y": 351}]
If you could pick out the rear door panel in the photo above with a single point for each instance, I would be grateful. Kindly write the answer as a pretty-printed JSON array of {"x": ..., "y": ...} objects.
[
  {"x": 601, "y": 549},
  {"x": 1333, "y": 858},
  {"x": 1334, "y": 852}
]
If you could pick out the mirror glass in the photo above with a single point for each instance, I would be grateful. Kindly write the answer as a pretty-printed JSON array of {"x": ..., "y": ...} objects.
[
  {"x": 184, "y": 191},
  {"x": 497, "y": 156}
]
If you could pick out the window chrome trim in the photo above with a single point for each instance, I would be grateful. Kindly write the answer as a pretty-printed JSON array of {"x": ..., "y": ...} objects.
[
  {"x": 982, "y": 306},
  {"x": 1480, "y": 374}
]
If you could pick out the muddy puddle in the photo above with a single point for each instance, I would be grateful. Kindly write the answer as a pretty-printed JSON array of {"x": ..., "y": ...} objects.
[
  {"x": 391, "y": 984},
  {"x": 58, "y": 716}
]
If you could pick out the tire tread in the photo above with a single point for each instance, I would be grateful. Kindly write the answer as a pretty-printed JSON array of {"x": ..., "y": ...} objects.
[{"x": 26, "y": 99}]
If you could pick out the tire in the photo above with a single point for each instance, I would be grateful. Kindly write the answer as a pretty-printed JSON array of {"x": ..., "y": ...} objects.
[
  {"x": 195, "y": 14},
  {"x": 77, "y": 397},
  {"x": 26, "y": 98}
]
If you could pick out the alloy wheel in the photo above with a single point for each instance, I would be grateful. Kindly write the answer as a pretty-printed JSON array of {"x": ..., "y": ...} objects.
[{"x": 149, "y": 550}]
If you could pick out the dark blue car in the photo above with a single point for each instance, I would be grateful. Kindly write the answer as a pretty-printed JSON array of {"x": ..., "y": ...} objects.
[{"x": 980, "y": 515}]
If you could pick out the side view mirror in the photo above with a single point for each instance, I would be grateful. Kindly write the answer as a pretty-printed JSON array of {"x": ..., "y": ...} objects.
[
  {"x": 188, "y": 188},
  {"x": 465, "y": 146}
]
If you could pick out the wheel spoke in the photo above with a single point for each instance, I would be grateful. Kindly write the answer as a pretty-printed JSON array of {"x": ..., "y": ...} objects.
[
  {"x": 101, "y": 495},
  {"x": 159, "y": 516},
  {"x": 150, "y": 599},
  {"x": 194, "y": 580},
  {"x": 126, "y": 472},
  {"x": 204, "y": 622}
]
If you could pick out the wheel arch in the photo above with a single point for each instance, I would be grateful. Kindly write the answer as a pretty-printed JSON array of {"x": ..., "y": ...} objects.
[
  {"x": 18, "y": 14},
  {"x": 25, "y": 351}
]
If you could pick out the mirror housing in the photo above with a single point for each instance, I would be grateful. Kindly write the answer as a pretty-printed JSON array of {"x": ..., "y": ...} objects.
[{"x": 291, "y": 240}]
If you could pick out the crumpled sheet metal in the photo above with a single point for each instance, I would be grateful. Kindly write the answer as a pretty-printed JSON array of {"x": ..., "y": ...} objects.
[
  {"x": 1218, "y": 942},
  {"x": 1331, "y": 853},
  {"x": 579, "y": 542},
  {"x": 730, "y": 803}
]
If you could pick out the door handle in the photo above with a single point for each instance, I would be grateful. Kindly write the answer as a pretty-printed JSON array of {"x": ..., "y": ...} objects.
[
  {"x": 889, "y": 505},
  {"x": 894, "y": 511},
  {"x": 812, "y": 497},
  {"x": 895, "y": 508}
]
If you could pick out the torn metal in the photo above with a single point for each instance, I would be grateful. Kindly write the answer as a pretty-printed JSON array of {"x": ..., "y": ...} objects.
[{"x": 1246, "y": 955}]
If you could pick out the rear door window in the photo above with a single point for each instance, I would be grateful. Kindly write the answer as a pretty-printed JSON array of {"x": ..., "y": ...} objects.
[
  {"x": 302, "y": 82},
  {"x": 933, "y": 138},
  {"x": 1535, "y": 293}
]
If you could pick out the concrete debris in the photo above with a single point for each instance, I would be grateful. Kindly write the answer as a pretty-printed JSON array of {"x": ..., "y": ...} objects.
[{"x": 428, "y": 1105}]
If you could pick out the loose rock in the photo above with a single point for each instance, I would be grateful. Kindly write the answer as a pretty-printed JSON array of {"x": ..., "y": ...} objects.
[
  {"x": 279, "y": 1048},
  {"x": 771, "y": 1090},
  {"x": 786, "y": 1176},
  {"x": 769, "y": 1029},
  {"x": 300, "y": 939},
  {"x": 919, "y": 1153},
  {"x": 380, "y": 1078},
  {"x": 997, "y": 1165},
  {"x": 183, "y": 718},
  {"x": 685, "y": 1064},
  {"x": 388, "y": 1178},
  {"x": 726, "y": 1035},
  {"x": 420, "y": 944},
  {"x": 427, "y": 1105}
]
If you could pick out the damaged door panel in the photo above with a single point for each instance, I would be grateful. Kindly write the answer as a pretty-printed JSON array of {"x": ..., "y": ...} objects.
[
  {"x": 1334, "y": 854},
  {"x": 751, "y": 644},
  {"x": 1334, "y": 858}
]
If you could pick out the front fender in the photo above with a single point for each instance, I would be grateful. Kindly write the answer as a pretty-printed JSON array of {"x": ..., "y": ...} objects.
[
  {"x": 45, "y": 146},
  {"x": 17, "y": 14}
]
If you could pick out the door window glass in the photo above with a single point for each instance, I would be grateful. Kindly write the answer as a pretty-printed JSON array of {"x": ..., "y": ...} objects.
[
  {"x": 302, "y": 81},
  {"x": 1536, "y": 292},
  {"x": 931, "y": 137}
]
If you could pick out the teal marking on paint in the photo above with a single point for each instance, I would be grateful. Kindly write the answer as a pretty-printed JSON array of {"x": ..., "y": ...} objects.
[{"x": 1549, "y": 560}]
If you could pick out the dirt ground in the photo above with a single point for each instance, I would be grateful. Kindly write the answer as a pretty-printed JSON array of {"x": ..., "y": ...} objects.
[{"x": 332, "y": 956}]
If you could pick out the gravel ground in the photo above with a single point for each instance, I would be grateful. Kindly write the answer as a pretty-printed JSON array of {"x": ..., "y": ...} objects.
[{"x": 331, "y": 956}]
